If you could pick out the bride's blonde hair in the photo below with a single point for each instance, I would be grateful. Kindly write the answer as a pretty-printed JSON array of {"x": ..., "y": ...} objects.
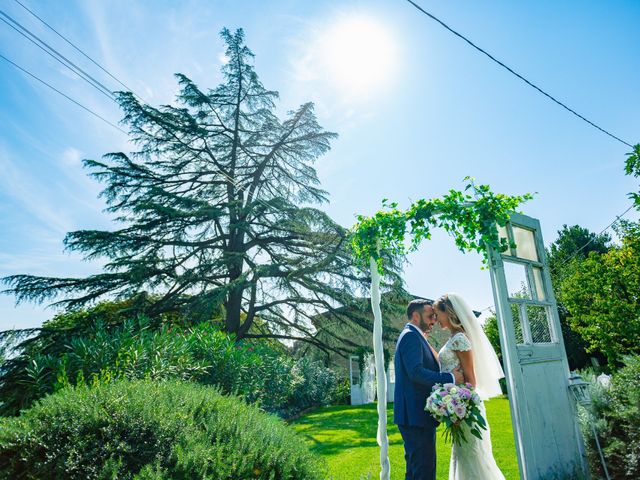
[{"x": 444, "y": 305}]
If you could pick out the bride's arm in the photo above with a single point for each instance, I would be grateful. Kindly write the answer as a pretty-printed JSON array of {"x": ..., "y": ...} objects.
[{"x": 466, "y": 363}]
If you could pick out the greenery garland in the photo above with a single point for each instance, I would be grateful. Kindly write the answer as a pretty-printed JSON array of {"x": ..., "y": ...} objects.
[{"x": 469, "y": 216}]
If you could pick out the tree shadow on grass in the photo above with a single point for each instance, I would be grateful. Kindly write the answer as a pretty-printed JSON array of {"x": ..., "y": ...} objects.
[{"x": 332, "y": 430}]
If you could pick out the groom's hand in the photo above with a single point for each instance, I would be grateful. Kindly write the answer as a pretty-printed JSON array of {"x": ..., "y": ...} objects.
[{"x": 457, "y": 374}]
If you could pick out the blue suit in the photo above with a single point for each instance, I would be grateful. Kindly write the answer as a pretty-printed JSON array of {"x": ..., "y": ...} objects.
[{"x": 417, "y": 370}]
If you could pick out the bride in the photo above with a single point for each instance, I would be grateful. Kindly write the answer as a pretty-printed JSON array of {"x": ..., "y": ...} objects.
[{"x": 468, "y": 348}]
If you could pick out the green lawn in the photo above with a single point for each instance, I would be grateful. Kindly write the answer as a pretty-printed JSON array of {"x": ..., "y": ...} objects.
[{"x": 346, "y": 437}]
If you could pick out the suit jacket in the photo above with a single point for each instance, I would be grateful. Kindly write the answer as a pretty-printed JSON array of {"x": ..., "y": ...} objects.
[{"x": 417, "y": 370}]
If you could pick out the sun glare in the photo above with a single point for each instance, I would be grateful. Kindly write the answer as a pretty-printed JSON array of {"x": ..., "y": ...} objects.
[{"x": 358, "y": 55}]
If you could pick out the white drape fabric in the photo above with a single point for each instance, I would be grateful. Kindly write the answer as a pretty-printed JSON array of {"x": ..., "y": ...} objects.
[
  {"x": 485, "y": 361},
  {"x": 381, "y": 374}
]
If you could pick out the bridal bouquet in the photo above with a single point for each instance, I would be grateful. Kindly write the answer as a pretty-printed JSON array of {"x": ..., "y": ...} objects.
[{"x": 456, "y": 406}]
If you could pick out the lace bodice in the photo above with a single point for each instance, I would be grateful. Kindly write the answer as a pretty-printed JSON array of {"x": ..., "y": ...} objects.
[{"x": 448, "y": 359}]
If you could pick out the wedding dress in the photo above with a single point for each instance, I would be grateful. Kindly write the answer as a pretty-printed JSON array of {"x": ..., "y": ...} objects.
[{"x": 473, "y": 460}]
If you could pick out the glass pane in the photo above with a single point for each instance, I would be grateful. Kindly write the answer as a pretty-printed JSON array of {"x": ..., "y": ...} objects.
[
  {"x": 525, "y": 243},
  {"x": 502, "y": 233},
  {"x": 537, "y": 276},
  {"x": 517, "y": 284},
  {"x": 517, "y": 323},
  {"x": 538, "y": 324}
]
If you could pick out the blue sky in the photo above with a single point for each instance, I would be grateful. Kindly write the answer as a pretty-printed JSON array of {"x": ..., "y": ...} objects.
[{"x": 429, "y": 112}]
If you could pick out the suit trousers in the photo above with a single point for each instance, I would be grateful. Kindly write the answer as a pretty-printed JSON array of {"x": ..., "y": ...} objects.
[{"x": 419, "y": 452}]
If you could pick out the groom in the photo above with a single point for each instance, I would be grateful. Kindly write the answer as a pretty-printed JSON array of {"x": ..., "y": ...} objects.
[{"x": 417, "y": 369}]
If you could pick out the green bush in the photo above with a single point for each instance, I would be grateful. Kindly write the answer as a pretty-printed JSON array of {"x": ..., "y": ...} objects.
[
  {"x": 313, "y": 385},
  {"x": 151, "y": 430},
  {"x": 342, "y": 394},
  {"x": 615, "y": 414},
  {"x": 136, "y": 349}
]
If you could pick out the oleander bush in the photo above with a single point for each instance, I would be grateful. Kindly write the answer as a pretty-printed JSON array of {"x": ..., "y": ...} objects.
[
  {"x": 151, "y": 430},
  {"x": 258, "y": 371},
  {"x": 615, "y": 414}
]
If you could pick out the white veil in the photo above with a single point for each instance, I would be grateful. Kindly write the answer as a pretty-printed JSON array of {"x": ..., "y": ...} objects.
[{"x": 485, "y": 361}]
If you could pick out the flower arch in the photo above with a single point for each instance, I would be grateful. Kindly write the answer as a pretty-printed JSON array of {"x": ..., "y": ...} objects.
[{"x": 469, "y": 216}]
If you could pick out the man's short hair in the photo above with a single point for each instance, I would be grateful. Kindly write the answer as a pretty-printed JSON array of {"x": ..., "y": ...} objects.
[{"x": 417, "y": 305}]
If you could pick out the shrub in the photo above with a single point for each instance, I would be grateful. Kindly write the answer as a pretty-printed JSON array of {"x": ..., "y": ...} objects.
[
  {"x": 342, "y": 393},
  {"x": 314, "y": 385},
  {"x": 615, "y": 414},
  {"x": 147, "y": 430},
  {"x": 97, "y": 354},
  {"x": 258, "y": 371}
]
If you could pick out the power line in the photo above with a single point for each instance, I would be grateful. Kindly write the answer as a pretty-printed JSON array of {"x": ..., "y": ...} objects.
[
  {"x": 61, "y": 93},
  {"x": 77, "y": 48},
  {"x": 52, "y": 52},
  {"x": 550, "y": 97}
]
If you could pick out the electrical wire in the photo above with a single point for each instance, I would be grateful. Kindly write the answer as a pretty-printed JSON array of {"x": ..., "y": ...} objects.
[
  {"x": 510, "y": 70},
  {"x": 82, "y": 52},
  {"x": 52, "y": 52},
  {"x": 63, "y": 94}
]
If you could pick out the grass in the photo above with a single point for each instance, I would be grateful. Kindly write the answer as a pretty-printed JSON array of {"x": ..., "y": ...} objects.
[{"x": 345, "y": 436}]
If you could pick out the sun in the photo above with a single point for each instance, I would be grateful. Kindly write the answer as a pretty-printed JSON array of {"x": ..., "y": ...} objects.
[{"x": 357, "y": 54}]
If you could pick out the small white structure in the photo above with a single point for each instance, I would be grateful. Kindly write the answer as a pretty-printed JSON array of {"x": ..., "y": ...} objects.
[
  {"x": 391, "y": 381},
  {"x": 604, "y": 380},
  {"x": 363, "y": 386}
]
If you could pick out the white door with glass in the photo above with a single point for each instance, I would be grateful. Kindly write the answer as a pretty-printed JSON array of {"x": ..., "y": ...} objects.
[{"x": 548, "y": 439}]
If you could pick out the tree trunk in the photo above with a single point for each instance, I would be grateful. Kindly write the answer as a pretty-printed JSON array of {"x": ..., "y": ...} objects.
[{"x": 233, "y": 307}]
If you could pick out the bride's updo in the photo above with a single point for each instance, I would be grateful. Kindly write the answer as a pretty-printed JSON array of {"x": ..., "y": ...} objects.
[{"x": 444, "y": 305}]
